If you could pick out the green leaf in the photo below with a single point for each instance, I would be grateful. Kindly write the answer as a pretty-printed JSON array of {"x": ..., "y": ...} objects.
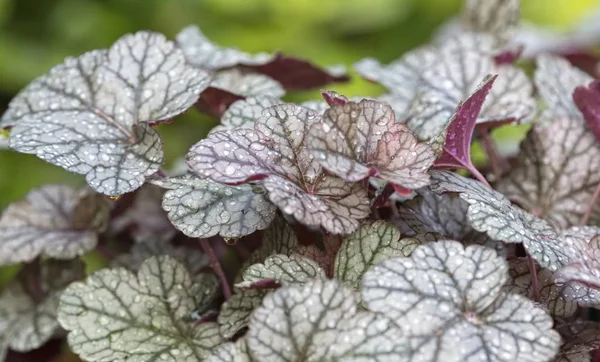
[
  {"x": 235, "y": 312},
  {"x": 28, "y": 315},
  {"x": 231, "y": 352},
  {"x": 369, "y": 245},
  {"x": 320, "y": 321},
  {"x": 282, "y": 269},
  {"x": 118, "y": 315}
]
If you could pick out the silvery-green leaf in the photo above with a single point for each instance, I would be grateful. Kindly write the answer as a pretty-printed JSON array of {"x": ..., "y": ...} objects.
[
  {"x": 90, "y": 115},
  {"x": 555, "y": 80},
  {"x": 235, "y": 312},
  {"x": 28, "y": 316},
  {"x": 118, "y": 315},
  {"x": 444, "y": 214},
  {"x": 231, "y": 352},
  {"x": 55, "y": 221},
  {"x": 279, "y": 238},
  {"x": 201, "y": 52},
  {"x": 193, "y": 259},
  {"x": 358, "y": 140},
  {"x": 580, "y": 279},
  {"x": 247, "y": 84},
  {"x": 144, "y": 218},
  {"x": 275, "y": 152},
  {"x": 497, "y": 17},
  {"x": 320, "y": 321},
  {"x": 203, "y": 208},
  {"x": 491, "y": 212},
  {"x": 283, "y": 269},
  {"x": 243, "y": 113},
  {"x": 557, "y": 173},
  {"x": 324, "y": 256},
  {"x": 520, "y": 282},
  {"x": 448, "y": 301},
  {"x": 367, "y": 246},
  {"x": 457, "y": 72}
]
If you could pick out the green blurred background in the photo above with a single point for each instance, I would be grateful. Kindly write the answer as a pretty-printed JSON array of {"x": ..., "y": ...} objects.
[{"x": 36, "y": 34}]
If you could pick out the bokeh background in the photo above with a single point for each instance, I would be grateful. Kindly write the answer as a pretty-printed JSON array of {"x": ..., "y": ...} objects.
[{"x": 37, "y": 34}]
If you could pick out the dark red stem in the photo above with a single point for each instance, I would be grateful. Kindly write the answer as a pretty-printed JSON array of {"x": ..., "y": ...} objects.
[
  {"x": 216, "y": 267},
  {"x": 590, "y": 207},
  {"x": 535, "y": 288},
  {"x": 489, "y": 146}
]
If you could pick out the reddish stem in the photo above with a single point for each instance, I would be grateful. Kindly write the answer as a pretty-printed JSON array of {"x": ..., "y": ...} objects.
[
  {"x": 489, "y": 146},
  {"x": 590, "y": 207},
  {"x": 534, "y": 279},
  {"x": 216, "y": 267},
  {"x": 475, "y": 172}
]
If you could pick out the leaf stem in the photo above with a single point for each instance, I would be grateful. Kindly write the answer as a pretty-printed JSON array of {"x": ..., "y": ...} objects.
[
  {"x": 534, "y": 279},
  {"x": 216, "y": 267},
  {"x": 489, "y": 146},
  {"x": 475, "y": 172},
  {"x": 590, "y": 207}
]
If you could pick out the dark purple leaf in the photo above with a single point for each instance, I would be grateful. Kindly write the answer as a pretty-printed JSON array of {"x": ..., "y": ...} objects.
[
  {"x": 457, "y": 148},
  {"x": 294, "y": 73},
  {"x": 587, "y": 100},
  {"x": 508, "y": 56}
]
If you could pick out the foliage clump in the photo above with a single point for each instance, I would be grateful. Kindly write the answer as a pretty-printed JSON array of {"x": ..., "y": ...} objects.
[{"x": 343, "y": 229}]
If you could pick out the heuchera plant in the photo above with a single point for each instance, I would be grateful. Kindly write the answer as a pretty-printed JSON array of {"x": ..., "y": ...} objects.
[{"x": 347, "y": 229}]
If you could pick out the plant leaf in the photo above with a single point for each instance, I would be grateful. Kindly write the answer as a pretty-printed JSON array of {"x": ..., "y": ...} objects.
[
  {"x": 243, "y": 113},
  {"x": 443, "y": 214},
  {"x": 453, "y": 79},
  {"x": 367, "y": 246},
  {"x": 449, "y": 302},
  {"x": 587, "y": 100},
  {"x": 235, "y": 312},
  {"x": 293, "y": 322},
  {"x": 283, "y": 269},
  {"x": 520, "y": 282},
  {"x": 358, "y": 140},
  {"x": 247, "y": 84},
  {"x": 203, "y": 208},
  {"x": 28, "y": 316},
  {"x": 279, "y": 238},
  {"x": 497, "y": 17},
  {"x": 230, "y": 352},
  {"x": 275, "y": 152},
  {"x": 490, "y": 212},
  {"x": 580, "y": 338},
  {"x": 557, "y": 173},
  {"x": 456, "y": 150},
  {"x": 581, "y": 277},
  {"x": 54, "y": 221},
  {"x": 556, "y": 80},
  {"x": 91, "y": 115},
  {"x": 117, "y": 315}
]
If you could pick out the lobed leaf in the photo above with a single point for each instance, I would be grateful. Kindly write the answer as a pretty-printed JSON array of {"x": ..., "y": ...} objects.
[
  {"x": 497, "y": 17},
  {"x": 275, "y": 152},
  {"x": 358, "y": 140},
  {"x": 28, "y": 316},
  {"x": 581, "y": 276},
  {"x": 55, "y": 221},
  {"x": 283, "y": 328},
  {"x": 557, "y": 173},
  {"x": 444, "y": 214},
  {"x": 203, "y": 208},
  {"x": 580, "y": 339},
  {"x": 449, "y": 303},
  {"x": 235, "y": 312},
  {"x": 118, "y": 315},
  {"x": 371, "y": 244},
  {"x": 281, "y": 269},
  {"x": 91, "y": 114},
  {"x": 520, "y": 282},
  {"x": 491, "y": 212}
]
